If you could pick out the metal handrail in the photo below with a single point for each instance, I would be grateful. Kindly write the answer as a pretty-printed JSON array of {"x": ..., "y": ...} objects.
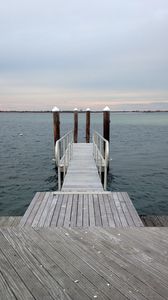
[
  {"x": 63, "y": 154},
  {"x": 101, "y": 155}
]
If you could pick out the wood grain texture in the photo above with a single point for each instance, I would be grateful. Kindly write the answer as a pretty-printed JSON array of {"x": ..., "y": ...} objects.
[
  {"x": 154, "y": 221},
  {"x": 9, "y": 221},
  {"x": 82, "y": 210},
  {"x": 97, "y": 263}
]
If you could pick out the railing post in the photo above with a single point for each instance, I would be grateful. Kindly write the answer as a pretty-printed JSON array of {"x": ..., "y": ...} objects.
[
  {"x": 56, "y": 124},
  {"x": 59, "y": 170},
  {"x": 75, "y": 125},
  {"x": 88, "y": 125}
]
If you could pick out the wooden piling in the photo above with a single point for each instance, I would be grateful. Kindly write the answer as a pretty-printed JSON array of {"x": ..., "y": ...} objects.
[
  {"x": 106, "y": 127},
  {"x": 106, "y": 123},
  {"x": 88, "y": 125},
  {"x": 75, "y": 125},
  {"x": 56, "y": 124}
]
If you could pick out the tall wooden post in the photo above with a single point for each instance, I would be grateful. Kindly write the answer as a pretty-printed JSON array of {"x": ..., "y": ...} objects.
[
  {"x": 106, "y": 126},
  {"x": 106, "y": 123},
  {"x": 56, "y": 124},
  {"x": 75, "y": 125},
  {"x": 88, "y": 125}
]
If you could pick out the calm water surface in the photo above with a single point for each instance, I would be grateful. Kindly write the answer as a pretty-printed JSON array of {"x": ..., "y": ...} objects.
[{"x": 139, "y": 152}]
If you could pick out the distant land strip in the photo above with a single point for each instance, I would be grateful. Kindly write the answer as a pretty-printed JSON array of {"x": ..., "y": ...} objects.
[{"x": 82, "y": 111}]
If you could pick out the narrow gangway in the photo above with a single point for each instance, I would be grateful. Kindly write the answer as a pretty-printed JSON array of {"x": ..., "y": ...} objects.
[{"x": 82, "y": 165}]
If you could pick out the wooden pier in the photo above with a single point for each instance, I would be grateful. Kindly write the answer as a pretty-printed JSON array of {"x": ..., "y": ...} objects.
[{"x": 82, "y": 241}]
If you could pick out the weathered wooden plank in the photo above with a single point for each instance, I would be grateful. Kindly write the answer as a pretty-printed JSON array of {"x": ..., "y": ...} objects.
[
  {"x": 85, "y": 211},
  {"x": 103, "y": 211},
  {"x": 136, "y": 276},
  {"x": 125, "y": 210},
  {"x": 41, "y": 210},
  {"x": 132, "y": 210},
  {"x": 157, "y": 262},
  {"x": 62, "y": 211},
  {"x": 120, "y": 211},
  {"x": 164, "y": 220},
  {"x": 22, "y": 246},
  {"x": 67, "y": 220},
  {"x": 57, "y": 211},
  {"x": 5, "y": 291},
  {"x": 9, "y": 221},
  {"x": 45, "y": 212},
  {"x": 108, "y": 211},
  {"x": 114, "y": 210},
  {"x": 29, "y": 209},
  {"x": 91, "y": 211},
  {"x": 92, "y": 281},
  {"x": 13, "y": 280},
  {"x": 61, "y": 269},
  {"x": 108, "y": 277},
  {"x": 80, "y": 211},
  {"x": 74, "y": 210},
  {"x": 154, "y": 221},
  {"x": 34, "y": 211},
  {"x": 98, "y": 221},
  {"x": 80, "y": 264},
  {"x": 52, "y": 203},
  {"x": 128, "y": 254},
  {"x": 30, "y": 280}
]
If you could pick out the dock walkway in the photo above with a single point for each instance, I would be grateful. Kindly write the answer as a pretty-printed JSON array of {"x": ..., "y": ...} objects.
[
  {"x": 82, "y": 174},
  {"x": 80, "y": 264}
]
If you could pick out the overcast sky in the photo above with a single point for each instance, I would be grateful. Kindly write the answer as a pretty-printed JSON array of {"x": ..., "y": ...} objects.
[{"x": 83, "y": 53}]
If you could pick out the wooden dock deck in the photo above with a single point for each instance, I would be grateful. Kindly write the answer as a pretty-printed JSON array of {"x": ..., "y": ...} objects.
[
  {"x": 82, "y": 174},
  {"x": 61, "y": 209},
  {"x": 75, "y": 264},
  {"x": 9, "y": 221}
]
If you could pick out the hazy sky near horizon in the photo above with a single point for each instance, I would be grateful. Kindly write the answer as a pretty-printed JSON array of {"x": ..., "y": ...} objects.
[{"x": 83, "y": 53}]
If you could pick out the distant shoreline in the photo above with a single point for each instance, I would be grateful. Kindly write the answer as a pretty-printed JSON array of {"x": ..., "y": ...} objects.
[{"x": 83, "y": 111}]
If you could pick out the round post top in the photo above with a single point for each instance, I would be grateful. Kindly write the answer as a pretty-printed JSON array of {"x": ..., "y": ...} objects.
[
  {"x": 75, "y": 109},
  {"x": 106, "y": 108},
  {"x": 55, "y": 109},
  {"x": 88, "y": 109}
]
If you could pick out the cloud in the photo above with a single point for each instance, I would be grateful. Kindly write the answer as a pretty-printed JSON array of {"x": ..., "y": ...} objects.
[{"x": 84, "y": 45}]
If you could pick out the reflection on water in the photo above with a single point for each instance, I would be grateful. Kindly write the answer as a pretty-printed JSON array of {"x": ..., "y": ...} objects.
[{"x": 138, "y": 148}]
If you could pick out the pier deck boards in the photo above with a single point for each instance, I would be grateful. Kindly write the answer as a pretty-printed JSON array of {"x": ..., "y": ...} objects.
[
  {"x": 65, "y": 209},
  {"x": 155, "y": 221},
  {"x": 75, "y": 264},
  {"x": 9, "y": 221},
  {"x": 82, "y": 174}
]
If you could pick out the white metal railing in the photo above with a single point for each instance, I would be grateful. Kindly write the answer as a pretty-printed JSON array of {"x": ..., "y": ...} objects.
[
  {"x": 63, "y": 154},
  {"x": 101, "y": 155}
]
